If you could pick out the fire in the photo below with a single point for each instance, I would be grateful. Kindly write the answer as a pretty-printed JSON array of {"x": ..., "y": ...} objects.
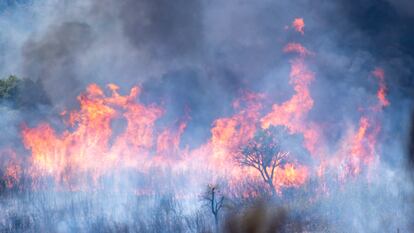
[
  {"x": 11, "y": 166},
  {"x": 169, "y": 140},
  {"x": 296, "y": 47},
  {"x": 291, "y": 175},
  {"x": 292, "y": 113},
  {"x": 358, "y": 149},
  {"x": 381, "y": 93},
  {"x": 86, "y": 144},
  {"x": 362, "y": 149},
  {"x": 299, "y": 24},
  {"x": 92, "y": 145},
  {"x": 236, "y": 130}
]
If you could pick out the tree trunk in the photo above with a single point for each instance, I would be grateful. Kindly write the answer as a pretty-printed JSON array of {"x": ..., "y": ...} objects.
[
  {"x": 272, "y": 188},
  {"x": 216, "y": 223}
]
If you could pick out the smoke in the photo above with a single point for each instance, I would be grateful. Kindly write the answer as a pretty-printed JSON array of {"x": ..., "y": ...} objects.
[
  {"x": 195, "y": 58},
  {"x": 164, "y": 28},
  {"x": 53, "y": 59},
  {"x": 233, "y": 45}
]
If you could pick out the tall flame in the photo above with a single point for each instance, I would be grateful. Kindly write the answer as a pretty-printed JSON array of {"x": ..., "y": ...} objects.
[
  {"x": 91, "y": 145},
  {"x": 292, "y": 113},
  {"x": 86, "y": 146}
]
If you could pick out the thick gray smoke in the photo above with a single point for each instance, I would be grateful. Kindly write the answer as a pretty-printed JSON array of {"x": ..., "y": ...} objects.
[
  {"x": 53, "y": 59},
  {"x": 194, "y": 58}
]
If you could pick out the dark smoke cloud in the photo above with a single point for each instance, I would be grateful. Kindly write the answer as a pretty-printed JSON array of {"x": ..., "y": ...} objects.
[
  {"x": 404, "y": 7},
  {"x": 386, "y": 35},
  {"x": 164, "y": 28},
  {"x": 200, "y": 54},
  {"x": 197, "y": 56},
  {"x": 411, "y": 142},
  {"x": 188, "y": 92},
  {"x": 53, "y": 59}
]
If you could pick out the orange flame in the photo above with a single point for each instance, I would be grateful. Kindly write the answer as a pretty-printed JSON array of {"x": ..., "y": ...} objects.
[
  {"x": 299, "y": 25},
  {"x": 296, "y": 47},
  {"x": 169, "y": 140},
  {"x": 290, "y": 175},
  {"x": 89, "y": 144},
  {"x": 359, "y": 147},
  {"x": 292, "y": 113},
  {"x": 379, "y": 74}
]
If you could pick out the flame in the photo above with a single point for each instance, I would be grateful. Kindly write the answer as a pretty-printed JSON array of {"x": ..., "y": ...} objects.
[
  {"x": 231, "y": 132},
  {"x": 298, "y": 24},
  {"x": 92, "y": 145},
  {"x": 86, "y": 146},
  {"x": 169, "y": 140},
  {"x": 362, "y": 147},
  {"x": 359, "y": 149},
  {"x": 293, "y": 112},
  {"x": 296, "y": 47},
  {"x": 290, "y": 175},
  {"x": 381, "y": 93},
  {"x": 11, "y": 166},
  {"x": 228, "y": 134}
]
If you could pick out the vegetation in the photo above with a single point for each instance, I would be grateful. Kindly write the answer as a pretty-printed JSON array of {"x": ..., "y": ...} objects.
[
  {"x": 22, "y": 92},
  {"x": 9, "y": 88},
  {"x": 265, "y": 154},
  {"x": 215, "y": 200}
]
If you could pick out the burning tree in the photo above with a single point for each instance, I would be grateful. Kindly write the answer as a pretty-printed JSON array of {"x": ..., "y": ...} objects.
[{"x": 264, "y": 153}]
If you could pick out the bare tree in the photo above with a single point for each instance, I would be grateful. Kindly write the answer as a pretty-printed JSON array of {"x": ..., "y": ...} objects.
[
  {"x": 263, "y": 153},
  {"x": 215, "y": 200}
]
